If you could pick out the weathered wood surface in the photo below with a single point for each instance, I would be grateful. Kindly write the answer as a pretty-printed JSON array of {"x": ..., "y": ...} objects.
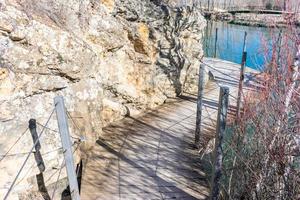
[
  {"x": 152, "y": 156},
  {"x": 37, "y": 154},
  {"x": 218, "y": 152},
  {"x": 201, "y": 85},
  {"x": 242, "y": 76}
]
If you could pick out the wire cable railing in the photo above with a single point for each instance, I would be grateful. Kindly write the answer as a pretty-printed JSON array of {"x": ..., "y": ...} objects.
[
  {"x": 27, "y": 157},
  {"x": 12, "y": 146},
  {"x": 208, "y": 116},
  {"x": 62, "y": 165},
  {"x": 44, "y": 127}
]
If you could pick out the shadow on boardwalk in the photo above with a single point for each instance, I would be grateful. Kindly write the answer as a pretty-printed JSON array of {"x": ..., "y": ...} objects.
[{"x": 152, "y": 156}]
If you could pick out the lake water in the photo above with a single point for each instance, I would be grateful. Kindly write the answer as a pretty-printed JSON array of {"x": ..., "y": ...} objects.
[{"x": 231, "y": 41}]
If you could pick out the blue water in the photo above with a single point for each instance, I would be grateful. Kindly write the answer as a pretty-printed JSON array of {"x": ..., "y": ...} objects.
[{"x": 231, "y": 41}]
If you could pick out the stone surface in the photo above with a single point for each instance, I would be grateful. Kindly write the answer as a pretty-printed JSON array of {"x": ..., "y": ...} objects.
[{"x": 108, "y": 58}]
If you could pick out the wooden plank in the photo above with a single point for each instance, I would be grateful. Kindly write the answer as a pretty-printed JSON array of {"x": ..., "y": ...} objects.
[
  {"x": 37, "y": 153},
  {"x": 220, "y": 132},
  {"x": 199, "y": 105},
  {"x": 67, "y": 146},
  {"x": 39, "y": 160},
  {"x": 156, "y": 149},
  {"x": 241, "y": 81},
  {"x": 216, "y": 43}
]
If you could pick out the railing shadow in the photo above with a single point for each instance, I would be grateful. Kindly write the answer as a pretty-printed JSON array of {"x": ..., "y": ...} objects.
[{"x": 167, "y": 186}]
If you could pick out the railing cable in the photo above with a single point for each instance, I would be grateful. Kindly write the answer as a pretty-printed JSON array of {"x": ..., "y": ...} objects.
[
  {"x": 76, "y": 127},
  {"x": 234, "y": 78},
  {"x": 55, "y": 131},
  {"x": 73, "y": 121},
  {"x": 58, "y": 176},
  {"x": 60, "y": 170},
  {"x": 27, "y": 158},
  {"x": 12, "y": 146}
]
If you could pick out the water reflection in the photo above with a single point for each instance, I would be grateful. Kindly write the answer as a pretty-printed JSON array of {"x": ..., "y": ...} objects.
[{"x": 231, "y": 39}]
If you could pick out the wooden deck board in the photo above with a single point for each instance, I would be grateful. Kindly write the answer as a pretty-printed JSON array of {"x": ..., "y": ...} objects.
[{"x": 152, "y": 156}]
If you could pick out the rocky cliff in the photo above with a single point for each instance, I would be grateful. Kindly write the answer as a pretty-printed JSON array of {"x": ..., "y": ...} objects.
[{"x": 108, "y": 58}]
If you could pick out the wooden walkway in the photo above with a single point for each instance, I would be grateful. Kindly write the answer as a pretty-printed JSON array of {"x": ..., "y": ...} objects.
[{"x": 152, "y": 156}]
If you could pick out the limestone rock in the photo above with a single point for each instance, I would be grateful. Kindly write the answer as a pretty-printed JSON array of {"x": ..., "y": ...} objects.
[
  {"x": 109, "y": 4},
  {"x": 108, "y": 58},
  {"x": 5, "y": 24},
  {"x": 17, "y": 34}
]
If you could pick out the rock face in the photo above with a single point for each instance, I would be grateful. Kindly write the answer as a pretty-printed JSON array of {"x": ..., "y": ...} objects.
[{"x": 108, "y": 58}]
